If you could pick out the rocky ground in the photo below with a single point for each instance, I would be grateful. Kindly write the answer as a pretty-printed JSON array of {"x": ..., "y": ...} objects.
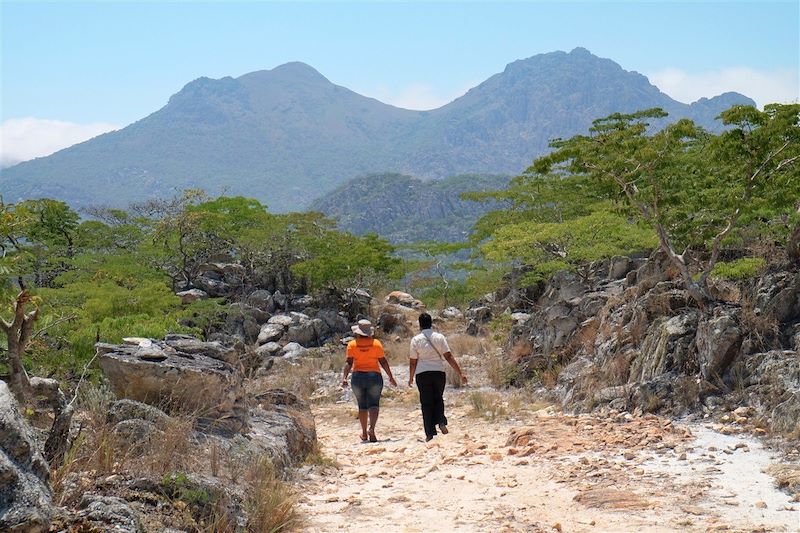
[{"x": 522, "y": 467}]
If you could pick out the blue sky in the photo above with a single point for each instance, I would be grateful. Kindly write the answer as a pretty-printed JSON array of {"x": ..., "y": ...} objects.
[{"x": 107, "y": 64}]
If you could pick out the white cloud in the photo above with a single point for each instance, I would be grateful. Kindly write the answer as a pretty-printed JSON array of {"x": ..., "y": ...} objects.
[
  {"x": 22, "y": 139},
  {"x": 417, "y": 96},
  {"x": 763, "y": 86}
]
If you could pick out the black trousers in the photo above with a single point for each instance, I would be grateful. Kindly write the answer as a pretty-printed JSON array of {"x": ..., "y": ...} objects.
[{"x": 431, "y": 389}]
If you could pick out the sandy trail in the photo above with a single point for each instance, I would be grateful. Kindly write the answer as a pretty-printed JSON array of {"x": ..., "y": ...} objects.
[{"x": 536, "y": 471}]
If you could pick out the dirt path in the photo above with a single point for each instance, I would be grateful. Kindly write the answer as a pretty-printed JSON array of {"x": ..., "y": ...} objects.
[{"x": 535, "y": 471}]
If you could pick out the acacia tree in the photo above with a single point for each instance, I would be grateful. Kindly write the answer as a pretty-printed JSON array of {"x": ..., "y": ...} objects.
[{"x": 695, "y": 189}]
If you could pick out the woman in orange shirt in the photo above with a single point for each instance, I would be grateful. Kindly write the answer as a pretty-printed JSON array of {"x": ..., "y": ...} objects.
[{"x": 365, "y": 358}]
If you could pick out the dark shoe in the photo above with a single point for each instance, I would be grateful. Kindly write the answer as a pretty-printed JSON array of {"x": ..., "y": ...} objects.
[
  {"x": 429, "y": 438},
  {"x": 372, "y": 437},
  {"x": 443, "y": 429}
]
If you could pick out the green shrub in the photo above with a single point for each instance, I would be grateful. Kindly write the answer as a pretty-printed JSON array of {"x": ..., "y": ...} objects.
[{"x": 739, "y": 269}]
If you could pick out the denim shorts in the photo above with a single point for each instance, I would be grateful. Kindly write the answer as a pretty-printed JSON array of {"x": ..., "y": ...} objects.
[{"x": 367, "y": 387}]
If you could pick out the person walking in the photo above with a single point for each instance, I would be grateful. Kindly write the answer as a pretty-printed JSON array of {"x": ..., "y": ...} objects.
[
  {"x": 429, "y": 350},
  {"x": 365, "y": 357}
]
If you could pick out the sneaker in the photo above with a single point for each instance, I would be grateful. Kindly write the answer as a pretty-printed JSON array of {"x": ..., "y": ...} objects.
[{"x": 443, "y": 429}]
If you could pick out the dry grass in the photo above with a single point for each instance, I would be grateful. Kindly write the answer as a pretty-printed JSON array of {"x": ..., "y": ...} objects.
[
  {"x": 269, "y": 502},
  {"x": 318, "y": 457},
  {"x": 302, "y": 377},
  {"x": 171, "y": 455},
  {"x": 487, "y": 405},
  {"x": 763, "y": 330}
]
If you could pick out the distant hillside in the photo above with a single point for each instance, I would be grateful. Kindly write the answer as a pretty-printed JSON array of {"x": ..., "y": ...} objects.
[
  {"x": 403, "y": 209},
  {"x": 288, "y": 135}
]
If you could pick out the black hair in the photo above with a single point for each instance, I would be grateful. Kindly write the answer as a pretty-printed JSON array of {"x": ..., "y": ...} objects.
[{"x": 425, "y": 321}]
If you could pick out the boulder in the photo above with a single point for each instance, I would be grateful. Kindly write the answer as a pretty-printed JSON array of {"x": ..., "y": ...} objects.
[
  {"x": 250, "y": 312},
  {"x": 393, "y": 323},
  {"x": 311, "y": 332},
  {"x": 404, "y": 299},
  {"x": 170, "y": 379},
  {"x": 280, "y": 301},
  {"x": 298, "y": 318},
  {"x": 212, "y": 287},
  {"x": 270, "y": 333},
  {"x": 108, "y": 513},
  {"x": 126, "y": 409},
  {"x": 717, "y": 342},
  {"x": 270, "y": 349},
  {"x": 261, "y": 299},
  {"x": 479, "y": 314},
  {"x": 293, "y": 350},
  {"x": 335, "y": 321},
  {"x": 778, "y": 296},
  {"x": 665, "y": 347},
  {"x": 186, "y": 344},
  {"x": 520, "y": 318},
  {"x": 283, "y": 426},
  {"x": 619, "y": 266},
  {"x": 282, "y": 320},
  {"x": 452, "y": 313},
  {"x": 301, "y": 302},
  {"x": 25, "y": 498},
  {"x": 136, "y": 434},
  {"x": 191, "y": 295}
]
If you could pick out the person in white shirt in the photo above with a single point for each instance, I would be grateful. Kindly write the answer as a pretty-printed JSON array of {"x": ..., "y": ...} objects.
[{"x": 429, "y": 350}]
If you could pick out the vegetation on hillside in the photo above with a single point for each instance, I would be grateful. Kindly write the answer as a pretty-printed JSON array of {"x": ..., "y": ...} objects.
[{"x": 116, "y": 274}]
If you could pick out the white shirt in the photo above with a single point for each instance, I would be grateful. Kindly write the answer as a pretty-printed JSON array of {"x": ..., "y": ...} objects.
[{"x": 427, "y": 358}]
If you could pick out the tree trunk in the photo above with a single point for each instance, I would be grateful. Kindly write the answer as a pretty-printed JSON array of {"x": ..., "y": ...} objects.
[{"x": 18, "y": 333}]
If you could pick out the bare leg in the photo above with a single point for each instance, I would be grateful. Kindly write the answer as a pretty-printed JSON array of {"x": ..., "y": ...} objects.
[
  {"x": 373, "y": 419},
  {"x": 362, "y": 417}
]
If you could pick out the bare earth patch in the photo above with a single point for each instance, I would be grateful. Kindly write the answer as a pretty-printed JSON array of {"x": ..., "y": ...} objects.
[{"x": 536, "y": 470}]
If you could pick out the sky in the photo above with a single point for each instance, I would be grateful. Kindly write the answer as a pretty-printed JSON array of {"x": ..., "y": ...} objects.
[{"x": 72, "y": 70}]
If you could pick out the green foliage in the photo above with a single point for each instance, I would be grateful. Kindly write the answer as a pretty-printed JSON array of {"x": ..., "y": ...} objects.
[
  {"x": 740, "y": 269},
  {"x": 596, "y": 195},
  {"x": 340, "y": 259},
  {"x": 554, "y": 246},
  {"x": 116, "y": 275}
]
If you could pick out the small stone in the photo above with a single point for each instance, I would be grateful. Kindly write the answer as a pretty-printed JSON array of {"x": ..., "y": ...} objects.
[
  {"x": 557, "y": 526},
  {"x": 629, "y": 456},
  {"x": 761, "y": 504},
  {"x": 682, "y": 457}
]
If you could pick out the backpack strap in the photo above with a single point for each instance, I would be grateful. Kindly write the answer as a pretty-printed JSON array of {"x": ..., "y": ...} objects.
[{"x": 441, "y": 358}]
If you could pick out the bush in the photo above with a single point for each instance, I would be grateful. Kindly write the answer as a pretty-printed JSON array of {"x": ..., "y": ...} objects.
[{"x": 739, "y": 269}]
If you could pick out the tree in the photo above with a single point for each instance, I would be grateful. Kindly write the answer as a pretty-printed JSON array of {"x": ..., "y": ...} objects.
[{"x": 693, "y": 188}]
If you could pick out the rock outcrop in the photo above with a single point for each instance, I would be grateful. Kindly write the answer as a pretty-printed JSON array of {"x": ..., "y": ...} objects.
[
  {"x": 25, "y": 498},
  {"x": 629, "y": 335},
  {"x": 179, "y": 374}
]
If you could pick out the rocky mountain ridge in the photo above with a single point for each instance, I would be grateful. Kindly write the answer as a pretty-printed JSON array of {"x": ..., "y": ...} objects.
[
  {"x": 278, "y": 134},
  {"x": 403, "y": 209}
]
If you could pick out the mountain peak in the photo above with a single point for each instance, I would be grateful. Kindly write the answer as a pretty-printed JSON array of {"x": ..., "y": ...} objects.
[
  {"x": 581, "y": 51},
  {"x": 298, "y": 70}
]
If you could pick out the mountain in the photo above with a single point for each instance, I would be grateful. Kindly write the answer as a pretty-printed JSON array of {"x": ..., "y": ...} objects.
[
  {"x": 288, "y": 135},
  {"x": 404, "y": 209}
]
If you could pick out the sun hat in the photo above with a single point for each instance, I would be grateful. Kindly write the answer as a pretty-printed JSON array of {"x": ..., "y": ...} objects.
[{"x": 363, "y": 328}]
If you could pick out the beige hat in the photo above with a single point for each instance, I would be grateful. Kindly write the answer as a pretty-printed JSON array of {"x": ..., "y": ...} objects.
[{"x": 363, "y": 328}]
